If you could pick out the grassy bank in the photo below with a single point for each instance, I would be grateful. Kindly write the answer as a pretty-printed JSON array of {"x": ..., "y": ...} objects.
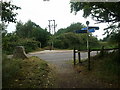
[
  {"x": 28, "y": 73},
  {"x": 104, "y": 70}
]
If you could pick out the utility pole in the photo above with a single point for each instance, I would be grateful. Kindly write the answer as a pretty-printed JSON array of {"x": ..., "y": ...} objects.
[
  {"x": 54, "y": 26},
  {"x": 49, "y": 25}
]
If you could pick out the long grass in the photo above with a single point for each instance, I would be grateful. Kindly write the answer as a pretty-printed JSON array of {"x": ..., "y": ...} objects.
[
  {"x": 104, "y": 69},
  {"x": 28, "y": 73}
]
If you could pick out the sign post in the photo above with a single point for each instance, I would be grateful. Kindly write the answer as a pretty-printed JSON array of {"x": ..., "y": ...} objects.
[{"x": 87, "y": 22}]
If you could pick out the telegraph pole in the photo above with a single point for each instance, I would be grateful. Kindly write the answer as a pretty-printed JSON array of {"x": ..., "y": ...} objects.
[
  {"x": 49, "y": 25},
  {"x": 54, "y": 25}
]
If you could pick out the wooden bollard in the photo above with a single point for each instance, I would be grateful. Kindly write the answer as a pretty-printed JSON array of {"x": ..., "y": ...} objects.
[
  {"x": 74, "y": 56},
  {"x": 79, "y": 57},
  {"x": 102, "y": 51},
  {"x": 89, "y": 59}
]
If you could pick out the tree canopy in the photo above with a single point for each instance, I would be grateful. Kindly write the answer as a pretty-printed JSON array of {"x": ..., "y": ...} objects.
[
  {"x": 8, "y": 14},
  {"x": 66, "y": 38},
  {"x": 100, "y": 11},
  {"x": 71, "y": 28},
  {"x": 107, "y": 12},
  {"x": 32, "y": 30}
]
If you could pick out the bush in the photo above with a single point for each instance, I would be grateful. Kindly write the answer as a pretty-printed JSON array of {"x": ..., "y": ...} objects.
[
  {"x": 71, "y": 40},
  {"x": 29, "y": 45}
]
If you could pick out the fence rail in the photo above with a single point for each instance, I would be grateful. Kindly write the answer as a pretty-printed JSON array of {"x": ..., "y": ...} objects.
[
  {"x": 102, "y": 50},
  {"x": 106, "y": 49}
]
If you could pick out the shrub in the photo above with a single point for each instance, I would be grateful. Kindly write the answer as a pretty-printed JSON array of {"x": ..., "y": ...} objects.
[{"x": 29, "y": 45}]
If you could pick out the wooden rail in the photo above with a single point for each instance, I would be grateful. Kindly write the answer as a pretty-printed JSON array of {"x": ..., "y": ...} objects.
[{"x": 102, "y": 50}]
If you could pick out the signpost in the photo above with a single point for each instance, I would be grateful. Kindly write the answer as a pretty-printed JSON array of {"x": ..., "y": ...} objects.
[
  {"x": 85, "y": 31},
  {"x": 81, "y": 31},
  {"x": 88, "y": 29},
  {"x": 87, "y": 22}
]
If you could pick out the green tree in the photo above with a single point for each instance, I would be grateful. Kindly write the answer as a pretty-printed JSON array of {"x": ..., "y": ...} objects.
[
  {"x": 66, "y": 38},
  {"x": 32, "y": 30},
  {"x": 71, "y": 28},
  {"x": 9, "y": 41},
  {"x": 8, "y": 14},
  {"x": 3, "y": 29},
  {"x": 70, "y": 40},
  {"x": 102, "y": 12}
]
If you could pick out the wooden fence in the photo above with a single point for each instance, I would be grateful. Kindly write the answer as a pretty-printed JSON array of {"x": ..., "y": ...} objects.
[{"x": 102, "y": 50}]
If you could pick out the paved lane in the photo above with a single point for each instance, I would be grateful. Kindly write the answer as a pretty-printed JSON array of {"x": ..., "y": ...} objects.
[{"x": 58, "y": 55}]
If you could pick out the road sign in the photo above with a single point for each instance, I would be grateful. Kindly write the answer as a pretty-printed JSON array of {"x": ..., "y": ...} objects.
[
  {"x": 96, "y": 28},
  {"x": 91, "y": 30},
  {"x": 84, "y": 28},
  {"x": 90, "y": 27},
  {"x": 85, "y": 31},
  {"x": 80, "y": 31}
]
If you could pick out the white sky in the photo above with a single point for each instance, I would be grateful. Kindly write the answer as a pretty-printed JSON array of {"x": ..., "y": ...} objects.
[{"x": 40, "y": 12}]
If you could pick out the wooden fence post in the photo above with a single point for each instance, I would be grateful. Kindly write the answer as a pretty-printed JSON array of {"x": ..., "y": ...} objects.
[
  {"x": 97, "y": 52},
  {"x": 119, "y": 51},
  {"x": 79, "y": 57},
  {"x": 74, "y": 56},
  {"x": 102, "y": 51},
  {"x": 89, "y": 59}
]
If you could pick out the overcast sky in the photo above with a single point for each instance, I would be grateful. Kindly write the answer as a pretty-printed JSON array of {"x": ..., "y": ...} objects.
[{"x": 40, "y": 12}]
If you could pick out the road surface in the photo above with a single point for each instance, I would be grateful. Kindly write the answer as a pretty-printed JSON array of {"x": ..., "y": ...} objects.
[{"x": 58, "y": 55}]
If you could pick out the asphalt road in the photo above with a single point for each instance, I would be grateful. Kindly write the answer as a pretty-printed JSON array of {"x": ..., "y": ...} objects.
[{"x": 59, "y": 55}]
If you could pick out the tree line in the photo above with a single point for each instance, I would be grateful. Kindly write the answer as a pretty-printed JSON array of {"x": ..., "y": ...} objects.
[
  {"x": 29, "y": 35},
  {"x": 32, "y": 36}
]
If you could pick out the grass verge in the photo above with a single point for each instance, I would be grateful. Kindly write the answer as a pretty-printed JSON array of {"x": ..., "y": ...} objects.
[
  {"x": 28, "y": 73},
  {"x": 104, "y": 70}
]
